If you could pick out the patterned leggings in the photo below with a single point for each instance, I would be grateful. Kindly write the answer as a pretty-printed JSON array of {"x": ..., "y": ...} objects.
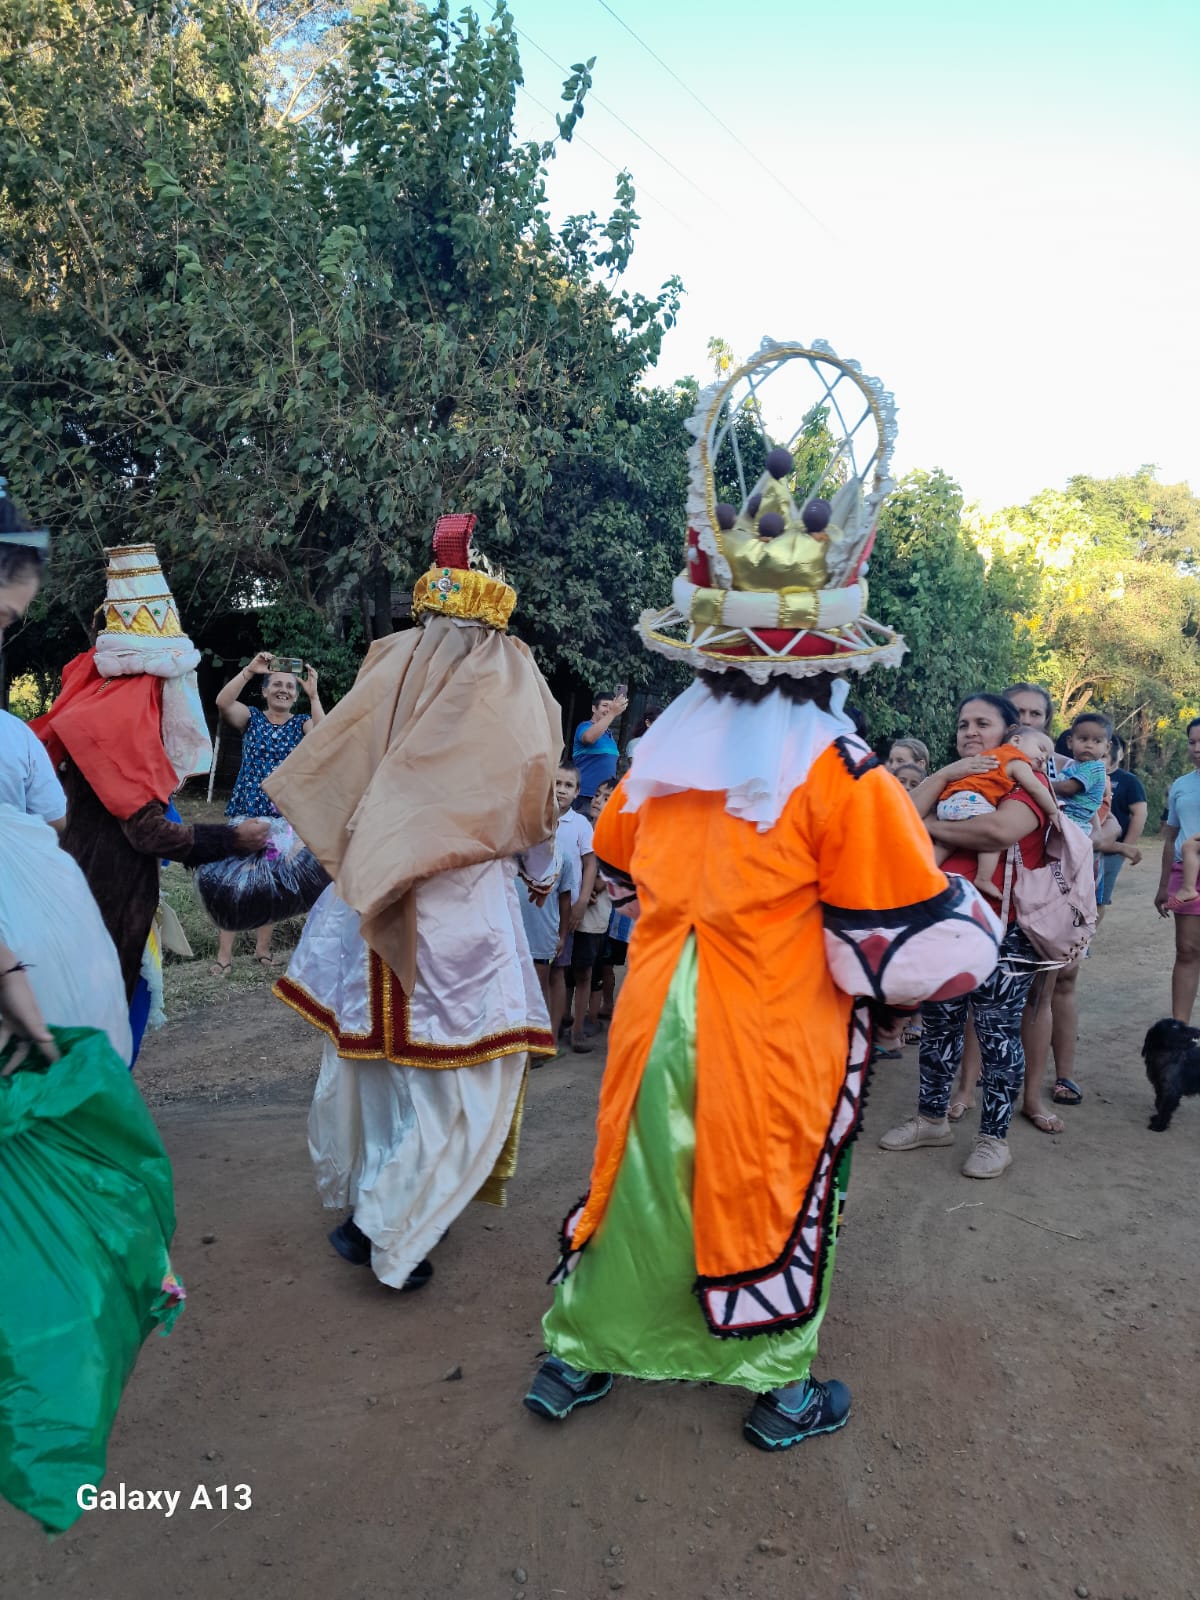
[{"x": 998, "y": 1005}]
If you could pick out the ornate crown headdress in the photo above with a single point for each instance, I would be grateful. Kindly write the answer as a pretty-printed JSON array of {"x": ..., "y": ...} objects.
[
  {"x": 777, "y": 584},
  {"x": 453, "y": 588}
]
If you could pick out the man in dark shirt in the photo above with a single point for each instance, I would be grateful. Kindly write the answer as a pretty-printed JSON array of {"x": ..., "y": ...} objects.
[{"x": 1129, "y": 813}]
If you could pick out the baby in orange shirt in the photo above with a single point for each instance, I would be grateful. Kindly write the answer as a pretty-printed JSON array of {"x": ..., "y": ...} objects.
[{"x": 1026, "y": 753}]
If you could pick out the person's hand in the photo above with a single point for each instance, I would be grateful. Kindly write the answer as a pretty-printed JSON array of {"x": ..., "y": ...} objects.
[
  {"x": 21, "y": 1019},
  {"x": 261, "y": 663},
  {"x": 968, "y": 767},
  {"x": 1132, "y": 854},
  {"x": 537, "y": 897},
  {"x": 619, "y": 704},
  {"x": 253, "y": 835},
  {"x": 559, "y": 947},
  {"x": 577, "y": 911},
  {"x": 1160, "y": 900},
  {"x": 309, "y": 681}
]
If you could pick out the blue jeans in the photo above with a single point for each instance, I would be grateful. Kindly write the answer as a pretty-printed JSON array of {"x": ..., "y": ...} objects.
[{"x": 1110, "y": 867}]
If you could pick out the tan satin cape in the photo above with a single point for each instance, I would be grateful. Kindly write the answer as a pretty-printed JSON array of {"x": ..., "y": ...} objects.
[{"x": 442, "y": 755}]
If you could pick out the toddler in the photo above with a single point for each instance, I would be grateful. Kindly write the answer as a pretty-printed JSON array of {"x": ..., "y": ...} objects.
[
  {"x": 1019, "y": 763},
  {"x": 1082, "y": 781}
]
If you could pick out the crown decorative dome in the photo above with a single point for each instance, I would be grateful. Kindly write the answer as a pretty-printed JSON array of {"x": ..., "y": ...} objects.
[{"x": 776, "y": 582}]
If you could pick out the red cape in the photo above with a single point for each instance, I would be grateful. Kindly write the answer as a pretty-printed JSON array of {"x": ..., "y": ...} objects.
[{"x": 112, "y": 730}]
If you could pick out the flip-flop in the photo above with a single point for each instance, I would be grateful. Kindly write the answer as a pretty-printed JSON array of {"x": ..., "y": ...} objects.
[
  {"x": 266, "y": 961},
  {"x": 1071, "y": 1093},
  {"x": 878, "y": 1053},
  {"x": 957, "y": 1109},
  {"x": 220, "y": 969},
  {"x": 1045, "y": 1121}
]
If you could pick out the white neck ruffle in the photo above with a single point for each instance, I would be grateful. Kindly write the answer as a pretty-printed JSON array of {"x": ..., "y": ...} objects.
[{"x": 757, "y": 754}]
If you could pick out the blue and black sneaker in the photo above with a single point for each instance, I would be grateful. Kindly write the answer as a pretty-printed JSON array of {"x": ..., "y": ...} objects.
[
  {"x": 352, "y": 1244},
  {"x": 774, "y": 1424},
  {"x": 558, "y": 1389}
]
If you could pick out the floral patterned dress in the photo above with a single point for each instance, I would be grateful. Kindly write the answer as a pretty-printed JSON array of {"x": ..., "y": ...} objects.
[{"x": 264, "y": 745}]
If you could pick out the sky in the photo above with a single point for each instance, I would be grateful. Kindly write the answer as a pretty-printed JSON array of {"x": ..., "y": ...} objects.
[{"x": 995, "y": 208}]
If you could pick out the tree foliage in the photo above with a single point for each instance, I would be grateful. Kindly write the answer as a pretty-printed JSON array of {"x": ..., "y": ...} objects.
[
  {"x": 929, "y": 582},
  {"x": 281, "y": 350}
]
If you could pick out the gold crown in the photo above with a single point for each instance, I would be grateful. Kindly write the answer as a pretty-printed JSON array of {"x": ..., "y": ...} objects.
[
  {"x": 773, "y": 587},
  {"x": 463, "y": 592}
]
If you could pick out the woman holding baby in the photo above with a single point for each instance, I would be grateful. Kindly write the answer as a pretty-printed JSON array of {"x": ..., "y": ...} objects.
[{"x": 996, "y": 795}]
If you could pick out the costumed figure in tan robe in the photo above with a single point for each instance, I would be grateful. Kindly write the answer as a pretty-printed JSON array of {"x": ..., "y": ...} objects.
[
  {"x": 125, "y": 732},
  {"x": 428, "y": 795}
]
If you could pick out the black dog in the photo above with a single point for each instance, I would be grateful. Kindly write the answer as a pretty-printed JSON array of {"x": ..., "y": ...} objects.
[{"x": 1172, "y": 1056}]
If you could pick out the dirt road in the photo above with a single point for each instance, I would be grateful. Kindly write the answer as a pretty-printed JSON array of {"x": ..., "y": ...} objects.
[{"x": 1022, "y": 1357}]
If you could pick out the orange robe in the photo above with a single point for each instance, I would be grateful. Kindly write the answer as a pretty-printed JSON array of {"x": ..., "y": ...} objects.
[{"x": 841, "y": 897}]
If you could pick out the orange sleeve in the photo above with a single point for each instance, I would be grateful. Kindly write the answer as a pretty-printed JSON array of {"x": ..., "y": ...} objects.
[{"x": 873, "y": 851}]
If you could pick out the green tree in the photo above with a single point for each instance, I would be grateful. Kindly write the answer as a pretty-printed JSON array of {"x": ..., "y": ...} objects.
[
  {"x": 957, "y": 613},
  {"x": 281, "y": 350}
]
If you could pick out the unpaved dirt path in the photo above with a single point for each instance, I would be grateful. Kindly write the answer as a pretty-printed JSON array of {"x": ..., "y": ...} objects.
[{"x": 1025, "y": 1420}]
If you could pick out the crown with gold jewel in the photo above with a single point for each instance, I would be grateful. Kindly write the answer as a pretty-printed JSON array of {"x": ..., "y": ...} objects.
[
  {"x": 778, "y": 584},
  {"x": 142, "y": 631},
  {"x": 453, "y": 588}
]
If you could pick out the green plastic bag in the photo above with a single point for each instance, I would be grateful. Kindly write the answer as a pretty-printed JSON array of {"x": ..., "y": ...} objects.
[{"x": 87, "y": 1212}]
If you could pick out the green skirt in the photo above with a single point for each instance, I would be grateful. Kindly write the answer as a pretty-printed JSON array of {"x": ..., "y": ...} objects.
[{"x": 628, "y": 1307}]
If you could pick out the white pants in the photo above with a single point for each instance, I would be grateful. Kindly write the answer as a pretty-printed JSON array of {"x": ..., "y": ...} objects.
[{"x": 408, "y": 1147}]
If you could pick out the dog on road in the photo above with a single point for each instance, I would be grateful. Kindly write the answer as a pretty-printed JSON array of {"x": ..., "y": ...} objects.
[{"x": 1172, "y": 1055}]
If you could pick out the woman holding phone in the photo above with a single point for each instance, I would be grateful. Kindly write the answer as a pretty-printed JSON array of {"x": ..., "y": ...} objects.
[{"x": 267, "y": 737}]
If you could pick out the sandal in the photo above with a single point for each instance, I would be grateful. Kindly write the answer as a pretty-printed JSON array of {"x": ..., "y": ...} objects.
[
  {"x": 878, "y": 1053},
  {"x": 958, "y": 1109},
  {"x": 266, "y": 961},
  {"x": 220, "y": 969},
  {"x": 1066, "y": 1092},
  {"x": 1045, "y": 1121}
]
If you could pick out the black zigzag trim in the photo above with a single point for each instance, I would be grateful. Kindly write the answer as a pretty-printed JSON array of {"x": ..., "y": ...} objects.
[
  {"x": 857, "y": 757},
  {"x": 615, "y": 873},
  {"x": 859, "y": 1018},
  {"x": 565, "y": 1247}
]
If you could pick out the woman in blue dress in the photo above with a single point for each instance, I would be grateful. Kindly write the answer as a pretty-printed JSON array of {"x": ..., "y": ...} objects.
[{"x": 267, "y": 737}]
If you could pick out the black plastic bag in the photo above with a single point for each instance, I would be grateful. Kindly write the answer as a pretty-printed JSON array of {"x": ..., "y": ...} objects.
[{"x": 284, "y": 880}]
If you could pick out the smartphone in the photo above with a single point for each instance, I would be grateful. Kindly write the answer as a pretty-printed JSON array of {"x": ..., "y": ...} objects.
[
  {"x": 620, "y": 691},
  {"x": 291, "y": 664}
]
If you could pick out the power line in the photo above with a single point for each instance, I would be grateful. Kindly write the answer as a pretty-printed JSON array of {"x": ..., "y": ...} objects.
[
  {"x": 724, "y": 126},
  {"x": 629, "y": 128},
  {"x": 577, "y": 138}
]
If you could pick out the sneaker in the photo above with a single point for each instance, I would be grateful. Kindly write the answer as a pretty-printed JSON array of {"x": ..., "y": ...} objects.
[
  {"x": 558, "y": 1389},
  {"x": 772, "y": 1425},
  {"x": 916, "y": 1133},
  {"x": 989, "y": 1159}
]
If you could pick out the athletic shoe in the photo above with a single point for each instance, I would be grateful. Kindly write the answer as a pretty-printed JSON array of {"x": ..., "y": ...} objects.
[
  {"x": 990, "y": 1158},
  {"x": 916, "y": 1133},
  {"x": 772, "y": 1425},
  {"x": 558, "y": 1389}
]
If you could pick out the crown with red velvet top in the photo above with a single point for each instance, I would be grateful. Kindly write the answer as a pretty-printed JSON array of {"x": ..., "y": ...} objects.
[
  {"x": 777, "y": 585},
  {"x": 453, "y": 588}
]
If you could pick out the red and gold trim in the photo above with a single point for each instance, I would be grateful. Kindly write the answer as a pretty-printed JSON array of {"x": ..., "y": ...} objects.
[{"x": 389, "y": 1037}]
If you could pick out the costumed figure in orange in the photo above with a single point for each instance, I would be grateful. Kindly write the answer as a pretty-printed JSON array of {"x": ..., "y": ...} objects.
[
  {"x": 424, "y": 794},
  {"x": 125, "y": 732},
  {"x": 787, "y": 897}
]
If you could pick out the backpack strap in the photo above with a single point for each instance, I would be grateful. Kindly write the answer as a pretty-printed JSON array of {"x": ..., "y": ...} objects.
[{"x": 1010, "y": 864}]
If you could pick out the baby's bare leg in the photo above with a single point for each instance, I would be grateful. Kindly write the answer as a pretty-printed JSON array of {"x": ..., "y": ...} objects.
[
  {"x": 989, "y": 860},
  {"x": 1191, "y": 868},
  {"x": 1023, "y": 775}
]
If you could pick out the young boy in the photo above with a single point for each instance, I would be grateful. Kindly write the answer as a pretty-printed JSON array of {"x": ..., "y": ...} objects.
[
  {"x": 574, "y": 841},
  {"x": 1082, "y": 780},
  {"x": 907, "y": 775},
  {"x": 547, "y": 919},
  {"x": 1020, "y": 760}
]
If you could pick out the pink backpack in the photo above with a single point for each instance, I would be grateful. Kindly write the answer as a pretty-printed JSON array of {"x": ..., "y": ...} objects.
[{"x": 1055, "y": 904}]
